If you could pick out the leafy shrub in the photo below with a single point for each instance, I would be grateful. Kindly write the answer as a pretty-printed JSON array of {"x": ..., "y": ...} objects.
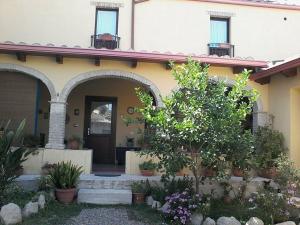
[
  {"x": 45, "y": 183},
  {"x": 287, "y": 172},
  {"x": 147, "y": 165},
  {"x": 243, "y": 151},
  {"x": 272, "y": 205},
  {"x": 269, "y": 145},
  {"x": 173, "y": 185},
  {"x": 158, "y": 193},
  {"x": 182, "y": 205},
  {"x": 12, "y": 155},
  {"x": 65, "y": 175},
  {"x": 138, "y": 187}
]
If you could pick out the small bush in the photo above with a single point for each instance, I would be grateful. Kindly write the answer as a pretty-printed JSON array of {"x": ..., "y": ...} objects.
[
  {"x": 139, "y": 187},
  {"x": 65, "y": 175},
  {"x": 148, "y": 165},
  {"x": 269, "y": 145}
]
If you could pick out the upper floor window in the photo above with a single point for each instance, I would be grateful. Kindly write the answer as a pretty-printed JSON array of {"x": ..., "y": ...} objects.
[
  {"x": 107, "y": 21},
  {"x": 219, "y": 37},
  {"x": 106, "y": 29},
  {"x": 219, "y": 30}
]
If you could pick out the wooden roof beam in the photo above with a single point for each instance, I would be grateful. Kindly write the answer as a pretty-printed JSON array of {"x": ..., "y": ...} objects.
[{"x": 21, "y": 56}]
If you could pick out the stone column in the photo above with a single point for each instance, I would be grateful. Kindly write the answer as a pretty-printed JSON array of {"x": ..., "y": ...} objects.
[{"x": 57, "y": 125}]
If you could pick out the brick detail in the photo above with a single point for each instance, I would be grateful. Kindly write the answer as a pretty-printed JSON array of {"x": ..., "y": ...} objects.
[
  {"x": 57, "y": 125},
  {"x": 81, "y": 78}
]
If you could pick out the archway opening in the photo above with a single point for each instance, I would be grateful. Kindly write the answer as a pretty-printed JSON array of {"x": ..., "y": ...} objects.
[
  {"x": 25, "y": 97},
  {"x": 97, "y": 114}
]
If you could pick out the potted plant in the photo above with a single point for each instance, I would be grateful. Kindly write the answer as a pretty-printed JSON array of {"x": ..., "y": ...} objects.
[
  {"x": 209, "y": 164},
  {"x": 269, "y": 145},
  {"x": 138, "y": 192},
  {"x": 74, "y": 142},
  {"x": 64, "y": 177},
  {"x": 147, "y": 168}
]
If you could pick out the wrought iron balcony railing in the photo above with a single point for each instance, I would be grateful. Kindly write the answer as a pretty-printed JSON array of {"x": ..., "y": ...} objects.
[
  {"x": 105, "y": 41},
  {"x": 221, "y": 49}
]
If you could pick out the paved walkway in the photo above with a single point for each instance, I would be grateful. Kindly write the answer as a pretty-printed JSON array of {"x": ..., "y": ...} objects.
[{"x": 103, "y": 216}]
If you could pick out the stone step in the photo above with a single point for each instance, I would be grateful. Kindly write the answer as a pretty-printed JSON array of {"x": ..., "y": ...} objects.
[
  {"x": 122, "y": 182},
  {"x": 104, "y": 196},
  {"x": 105, "y": 184}
]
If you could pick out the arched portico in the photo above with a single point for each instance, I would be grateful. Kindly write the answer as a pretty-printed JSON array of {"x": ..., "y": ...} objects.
[
  {"x": 81, "y": 78},
  {"x": 44, "y": 87},
  {"x": 58, "y": 108}
]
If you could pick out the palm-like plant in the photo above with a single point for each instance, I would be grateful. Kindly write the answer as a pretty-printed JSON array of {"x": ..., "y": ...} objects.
[
  {"x": 65, "y": 175},
  {"x": 12, "y": 155}
]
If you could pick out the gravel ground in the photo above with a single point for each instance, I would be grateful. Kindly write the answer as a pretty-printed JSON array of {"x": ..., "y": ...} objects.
[{"x": 103, "y": 216}]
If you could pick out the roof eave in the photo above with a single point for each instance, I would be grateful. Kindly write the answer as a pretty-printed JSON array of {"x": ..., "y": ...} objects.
[{"x": 126, "y": 55}]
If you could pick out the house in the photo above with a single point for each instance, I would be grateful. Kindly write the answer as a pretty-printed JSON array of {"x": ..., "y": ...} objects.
[{"x": 70, "y": 67}]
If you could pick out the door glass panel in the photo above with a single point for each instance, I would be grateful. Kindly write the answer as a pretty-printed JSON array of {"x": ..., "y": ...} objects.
[{"x": 101, "y": 115}]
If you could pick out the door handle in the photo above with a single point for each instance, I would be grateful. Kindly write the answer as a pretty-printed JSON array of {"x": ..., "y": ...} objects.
[{"x": 88, "y": 131}]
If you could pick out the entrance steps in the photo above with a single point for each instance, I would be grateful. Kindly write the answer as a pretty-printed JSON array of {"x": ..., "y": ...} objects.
[
  {"x": 106, "y": 190},
  {"x": 105, "y": 196}
]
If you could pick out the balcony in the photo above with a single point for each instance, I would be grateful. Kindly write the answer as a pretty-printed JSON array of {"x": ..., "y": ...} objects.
[
  {"x": 105, "y": 41},
  {"x": 221, "y": 49}
]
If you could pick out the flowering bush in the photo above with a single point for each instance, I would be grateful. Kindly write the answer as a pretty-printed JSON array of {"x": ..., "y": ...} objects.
[
  {"x": 182, "y": 205},
  {"x": 274, "y": 206}
]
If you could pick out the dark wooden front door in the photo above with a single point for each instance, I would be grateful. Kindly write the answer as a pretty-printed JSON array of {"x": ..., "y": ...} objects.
[{"x": 100, "y": 128}]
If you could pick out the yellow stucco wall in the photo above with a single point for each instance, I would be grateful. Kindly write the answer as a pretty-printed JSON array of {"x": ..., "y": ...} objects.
[
  {"x": 285, "y": 107},
  {"x": 160, "y": 25},
  {"x": 37, "y": 160}
]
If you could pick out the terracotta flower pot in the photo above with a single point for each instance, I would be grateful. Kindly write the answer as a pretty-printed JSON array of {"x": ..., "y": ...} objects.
[
  {"x": 227, "y": 199},
  {"x": 65, "y": 195},
  {"x": 237, "y": 172},
  {"x": 138, "y": 198},
  {"x": 269, "y": 173},
  {"x": 209, "y": 172},
  {"x": 147, "y": 173},
  {"x": 74, "y": 145},
  {"x": 180, "y": 173}
]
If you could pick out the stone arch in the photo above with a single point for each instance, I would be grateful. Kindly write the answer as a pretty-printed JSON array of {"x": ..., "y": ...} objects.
[
  {"x": 81, "y": 78},
  {"x": 31, "y": 72}
]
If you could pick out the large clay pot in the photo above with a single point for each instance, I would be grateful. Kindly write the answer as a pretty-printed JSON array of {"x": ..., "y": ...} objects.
[
  {"x": 237, "y": 172},
  {"x": 147, "y": 173},
  {"x": 73, "y": 144},
  {"x": 227, "y": 200},
  {"x": 269, "y": 173},
  {"x": 65, "y": 195},
  {"x": 209, "y": 172},
  {"x": 138, "y": 198}
]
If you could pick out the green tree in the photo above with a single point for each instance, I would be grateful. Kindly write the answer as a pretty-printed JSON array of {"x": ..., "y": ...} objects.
[{"x": 199, "y": 121}]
